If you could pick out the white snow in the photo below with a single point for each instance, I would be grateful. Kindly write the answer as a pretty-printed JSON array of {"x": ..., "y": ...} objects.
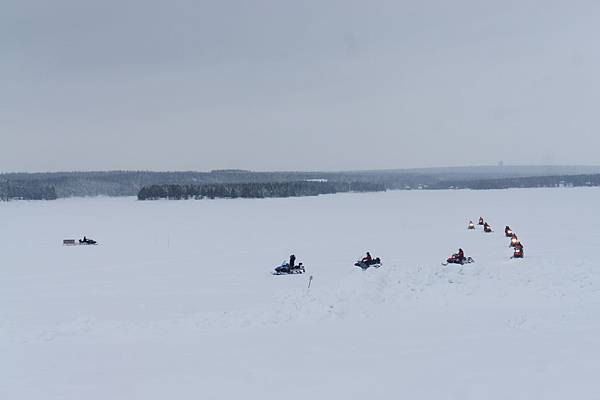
[{"x": 178, "y": 302}]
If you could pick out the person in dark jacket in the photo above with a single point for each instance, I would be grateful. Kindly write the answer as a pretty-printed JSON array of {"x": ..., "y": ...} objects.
[
  {"x": 292, "y": 261},
  {"x": 368, "y": 258}
]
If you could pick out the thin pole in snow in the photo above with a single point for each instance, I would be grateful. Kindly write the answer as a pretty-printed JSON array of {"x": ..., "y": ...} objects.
[{"x": 309, "y": 281}]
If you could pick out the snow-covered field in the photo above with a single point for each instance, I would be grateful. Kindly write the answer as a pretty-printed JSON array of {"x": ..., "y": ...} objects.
[{"x": 178, "y": 301}]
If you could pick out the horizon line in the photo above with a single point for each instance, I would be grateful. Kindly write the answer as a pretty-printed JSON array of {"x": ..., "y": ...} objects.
[{"x": 241, "y": 170}]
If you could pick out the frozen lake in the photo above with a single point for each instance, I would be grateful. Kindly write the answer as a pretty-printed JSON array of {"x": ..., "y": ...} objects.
[{"x": 178, "y": 301}]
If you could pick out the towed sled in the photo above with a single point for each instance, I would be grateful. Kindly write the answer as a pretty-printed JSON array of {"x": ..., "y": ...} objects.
[
  {"x": 375, "y": 263},
  {"x": 81, "y": 242},
  {"x": 455, "y": 260},
  {"x": 284, "y": 269}
]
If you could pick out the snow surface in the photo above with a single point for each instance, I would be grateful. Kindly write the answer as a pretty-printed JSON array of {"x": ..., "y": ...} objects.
[{"x": 178, "y": 302}]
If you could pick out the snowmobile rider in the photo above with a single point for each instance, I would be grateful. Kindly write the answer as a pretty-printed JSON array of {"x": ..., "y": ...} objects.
[
  {"x": 368, "y": 258},
  {"x": 507, "y": 231},
  {"x": 481, "y": 221},
  {"x": 487, "y": 227},
  {"x": 292, "y": 261},
  {"x": 460, "y": 255},
  {"x": 471, "y": 225}
]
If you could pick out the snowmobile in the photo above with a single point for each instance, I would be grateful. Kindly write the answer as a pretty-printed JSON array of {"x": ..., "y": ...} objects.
[
  {"x": 514, "y": 241},
  {"x": 375, "y": 263},
  {"x": 481, "y": 221},
  {"x": 518, "y": 253},
  {"x": 487, "y": 228},
  {"x": 81, "y": 242},
  {"x": 454, "y": 259},
  {"x": 284, "y": 269},
  {"x": 508, "y": 232},
  {"x": 471, "y": 225}
]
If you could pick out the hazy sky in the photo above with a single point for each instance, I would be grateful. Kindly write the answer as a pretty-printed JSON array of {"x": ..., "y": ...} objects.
[{"x": 311, "y": 85}]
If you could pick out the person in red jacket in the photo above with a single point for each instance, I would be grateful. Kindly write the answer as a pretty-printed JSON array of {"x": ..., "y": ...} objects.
[{"x": 368, "y": 258}]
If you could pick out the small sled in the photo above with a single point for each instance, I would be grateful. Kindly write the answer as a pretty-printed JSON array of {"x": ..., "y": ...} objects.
[{"x": 364, "y": 265}]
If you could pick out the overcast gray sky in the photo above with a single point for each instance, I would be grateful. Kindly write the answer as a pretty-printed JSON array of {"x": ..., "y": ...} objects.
[{"x": 288, "y": 85}]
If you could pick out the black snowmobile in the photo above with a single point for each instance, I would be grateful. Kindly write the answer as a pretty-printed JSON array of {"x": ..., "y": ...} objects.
[
  {"x": 284, "y": 269},
  {"x": 364, "y": 264},
  {"x": 471, "y": 225},
  {"x": 487, "y": 228},
  {"x": 455, "y": 259},
  {"x": 86, "y": 241}
]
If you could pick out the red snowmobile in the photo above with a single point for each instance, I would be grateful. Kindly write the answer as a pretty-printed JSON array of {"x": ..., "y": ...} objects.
[
  {"x": 514, "y": 241},
  {"x": 518, "y": 253}
]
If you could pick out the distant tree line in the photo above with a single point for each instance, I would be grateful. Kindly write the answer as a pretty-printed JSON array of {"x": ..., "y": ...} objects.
[
  {"x": 26, "y": 191},
  {"x": 129, "y": 183},
  {"x": 523, "y": 182},
  {"x": 254, "y": 190}
]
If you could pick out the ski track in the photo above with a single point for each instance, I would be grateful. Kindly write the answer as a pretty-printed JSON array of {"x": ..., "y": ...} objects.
[{"x": 178, "y": 300}]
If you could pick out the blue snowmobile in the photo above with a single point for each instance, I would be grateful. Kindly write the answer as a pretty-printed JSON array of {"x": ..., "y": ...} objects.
[{"x": 284, "y": 269}]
